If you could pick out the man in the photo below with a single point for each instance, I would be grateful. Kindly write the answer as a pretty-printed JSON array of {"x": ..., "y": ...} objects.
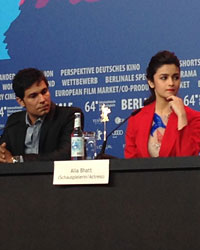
[{"x": 43, "y": 131}]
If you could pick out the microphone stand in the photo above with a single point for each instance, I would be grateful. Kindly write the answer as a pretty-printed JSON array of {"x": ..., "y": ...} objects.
[{"x": 102, "y": 154}]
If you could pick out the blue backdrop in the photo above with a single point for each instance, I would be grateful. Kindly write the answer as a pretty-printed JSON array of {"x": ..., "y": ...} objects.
[{"x": 96, "y": 52}]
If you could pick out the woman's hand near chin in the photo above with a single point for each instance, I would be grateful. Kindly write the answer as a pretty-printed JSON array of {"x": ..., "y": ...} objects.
[{"x": 177, "y": 105}]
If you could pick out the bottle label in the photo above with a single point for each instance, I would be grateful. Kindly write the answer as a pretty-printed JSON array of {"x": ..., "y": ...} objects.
[
  {"x": 77, "y": 146},
  {"x": 77, "y": 122}
]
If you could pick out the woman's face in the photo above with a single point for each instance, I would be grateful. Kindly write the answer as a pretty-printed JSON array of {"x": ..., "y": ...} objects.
[{"x": 166, "y": 81}]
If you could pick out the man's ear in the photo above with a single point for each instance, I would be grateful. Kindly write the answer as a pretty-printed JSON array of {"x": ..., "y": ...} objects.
[
  {"x": 20, "y": 101},
  {"x": 151, "y": 84}
]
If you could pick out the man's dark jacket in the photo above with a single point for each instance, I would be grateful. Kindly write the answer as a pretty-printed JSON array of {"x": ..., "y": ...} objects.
[{"x": 55, "y": 135}]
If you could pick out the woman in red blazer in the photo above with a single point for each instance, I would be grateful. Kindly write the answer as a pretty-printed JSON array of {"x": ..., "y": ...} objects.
[{"x": 164, "y": 127}]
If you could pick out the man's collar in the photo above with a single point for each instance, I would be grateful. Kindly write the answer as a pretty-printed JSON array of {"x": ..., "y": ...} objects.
[{"x": 27, "y": 120}]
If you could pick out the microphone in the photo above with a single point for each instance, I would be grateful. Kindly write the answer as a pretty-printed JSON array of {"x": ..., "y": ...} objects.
[{"x": 102, "y": 154}]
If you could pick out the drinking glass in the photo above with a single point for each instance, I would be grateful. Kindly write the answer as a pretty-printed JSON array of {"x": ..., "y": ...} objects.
[{"x": 90, "y": 145}]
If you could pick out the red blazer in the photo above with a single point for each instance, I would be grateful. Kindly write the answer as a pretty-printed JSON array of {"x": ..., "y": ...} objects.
[{"x": 184, "y": 142}]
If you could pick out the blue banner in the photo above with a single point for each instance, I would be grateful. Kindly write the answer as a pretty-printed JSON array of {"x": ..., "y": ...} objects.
[{"x": 95, "y": 52}]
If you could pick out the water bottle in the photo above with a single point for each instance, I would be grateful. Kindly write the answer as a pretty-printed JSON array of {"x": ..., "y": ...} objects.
[{"x": 77, "y": 140}]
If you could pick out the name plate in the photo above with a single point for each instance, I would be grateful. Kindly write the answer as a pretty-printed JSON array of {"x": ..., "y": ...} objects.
[{"x": 81, "y": 172}]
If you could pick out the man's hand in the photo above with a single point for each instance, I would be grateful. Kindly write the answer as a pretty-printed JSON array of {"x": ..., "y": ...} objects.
[{"x": 5, "y": 155}]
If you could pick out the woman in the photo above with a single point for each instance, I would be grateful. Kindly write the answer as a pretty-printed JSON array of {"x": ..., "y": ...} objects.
[{"x": 164, "y": 127}]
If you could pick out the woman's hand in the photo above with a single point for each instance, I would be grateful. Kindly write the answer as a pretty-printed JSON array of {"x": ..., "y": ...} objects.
[{"x": 176, "y": 104}]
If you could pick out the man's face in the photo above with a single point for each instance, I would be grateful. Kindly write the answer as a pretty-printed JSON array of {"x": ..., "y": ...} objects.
[{"x": 37, "y": 101}]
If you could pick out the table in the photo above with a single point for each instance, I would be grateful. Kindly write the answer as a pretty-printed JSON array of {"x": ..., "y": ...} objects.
[{"x": 148, "y": 204}]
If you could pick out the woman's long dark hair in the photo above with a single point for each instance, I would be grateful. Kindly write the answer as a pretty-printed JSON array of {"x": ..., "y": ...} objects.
[{"x": 161, "y": 58}]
